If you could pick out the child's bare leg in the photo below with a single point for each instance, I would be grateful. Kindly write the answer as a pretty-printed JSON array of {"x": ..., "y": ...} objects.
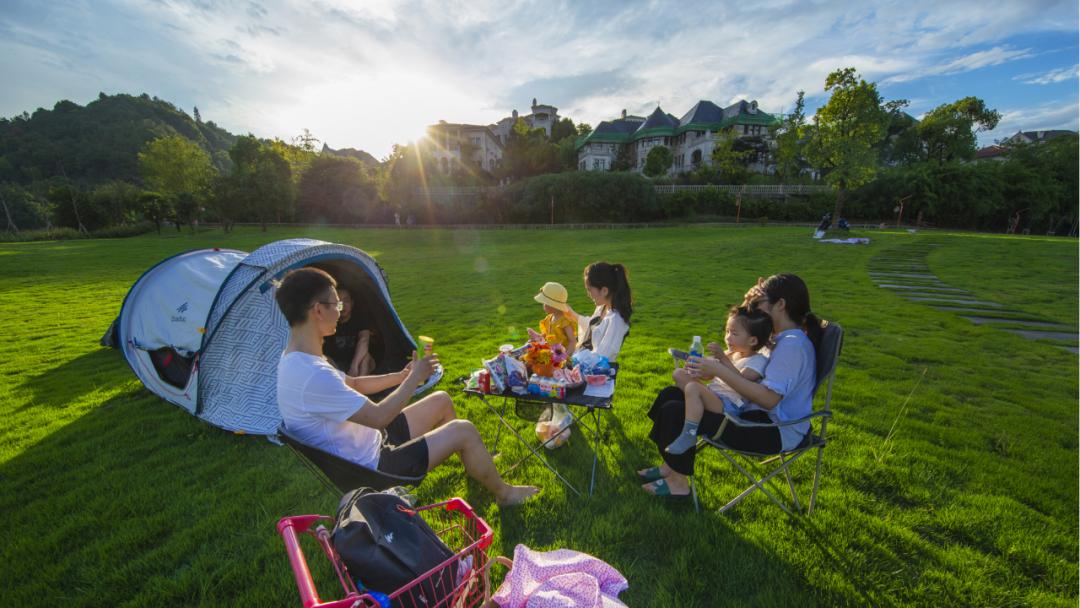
[
  {"x": 682, "y": 377},
  {"x": 695, "y": 408}
]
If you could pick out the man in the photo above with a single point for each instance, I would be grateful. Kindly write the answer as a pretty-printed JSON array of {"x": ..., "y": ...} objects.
[{"x": 326, "y": 408}]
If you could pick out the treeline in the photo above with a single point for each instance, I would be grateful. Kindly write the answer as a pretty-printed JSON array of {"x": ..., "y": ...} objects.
[{"x": 124, "y": 164}]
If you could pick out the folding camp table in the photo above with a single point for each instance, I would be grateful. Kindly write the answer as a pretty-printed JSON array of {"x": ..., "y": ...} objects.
[{"x": 576, "y": 400}]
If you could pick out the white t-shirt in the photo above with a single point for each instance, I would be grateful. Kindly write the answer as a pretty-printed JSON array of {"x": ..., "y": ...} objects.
[
  {"x": 756, "y": 362},
  {"x": 316, "y": 404},
  {"x": 607, "y": 336}
]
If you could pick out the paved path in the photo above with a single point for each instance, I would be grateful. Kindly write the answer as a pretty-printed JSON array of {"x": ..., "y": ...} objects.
[{"x": 904, "y": 271}]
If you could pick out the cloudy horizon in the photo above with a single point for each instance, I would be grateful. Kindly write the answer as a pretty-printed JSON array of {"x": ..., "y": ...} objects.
[{"x": 368, "y": 75}]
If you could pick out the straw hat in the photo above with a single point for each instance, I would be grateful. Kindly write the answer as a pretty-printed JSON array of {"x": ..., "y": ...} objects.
[{"x": 553, "y": 294}]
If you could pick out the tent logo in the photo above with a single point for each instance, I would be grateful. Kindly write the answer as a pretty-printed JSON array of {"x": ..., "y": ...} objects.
[{"x": 180, "y": 318}]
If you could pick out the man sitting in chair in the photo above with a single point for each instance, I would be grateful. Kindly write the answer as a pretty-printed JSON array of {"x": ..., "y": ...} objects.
[{"x": 327, "y": 409}]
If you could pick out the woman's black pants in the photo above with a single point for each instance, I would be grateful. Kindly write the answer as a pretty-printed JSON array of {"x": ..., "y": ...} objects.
[{"x": 668, "y": 414}]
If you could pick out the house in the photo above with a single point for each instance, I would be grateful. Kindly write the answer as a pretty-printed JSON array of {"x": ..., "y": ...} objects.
[
  {"x": 1036, "y": 137},
  {"x": 482, "y": 145},
  {"x": 690, "y": 138},
  {"x": 452, "y": 144}
]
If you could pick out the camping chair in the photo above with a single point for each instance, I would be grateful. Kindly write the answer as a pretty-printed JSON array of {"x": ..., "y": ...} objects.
[
  {"x": 828, "y": 353},
  {"x": 340, "y": 475}
]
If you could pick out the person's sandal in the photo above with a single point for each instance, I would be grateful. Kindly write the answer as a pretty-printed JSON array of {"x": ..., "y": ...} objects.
[
  {"x": 650, "y": 474},
  {"x": 662, "y": 490}
]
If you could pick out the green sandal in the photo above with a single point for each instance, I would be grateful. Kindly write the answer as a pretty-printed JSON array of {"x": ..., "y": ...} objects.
[
  {"x": 662, "y": 490},
  {"x": 650, "y": 474}
]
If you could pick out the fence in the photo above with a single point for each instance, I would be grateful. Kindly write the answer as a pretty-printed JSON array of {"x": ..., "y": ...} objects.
[{"x": 764, "y": 191}]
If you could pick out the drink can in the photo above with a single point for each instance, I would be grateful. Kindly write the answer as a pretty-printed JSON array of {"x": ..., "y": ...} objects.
[{"x": 485, "y": 381}]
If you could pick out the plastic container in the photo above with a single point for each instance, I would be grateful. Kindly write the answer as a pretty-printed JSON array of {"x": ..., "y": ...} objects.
[{"x": 696, "y": 350}]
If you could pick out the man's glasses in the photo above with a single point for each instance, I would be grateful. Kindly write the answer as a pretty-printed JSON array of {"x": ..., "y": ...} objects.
[{"x": 339, "y": 305}]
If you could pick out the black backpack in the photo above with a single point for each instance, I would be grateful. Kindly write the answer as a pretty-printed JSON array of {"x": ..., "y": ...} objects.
[{"x": 386, "y": 544}]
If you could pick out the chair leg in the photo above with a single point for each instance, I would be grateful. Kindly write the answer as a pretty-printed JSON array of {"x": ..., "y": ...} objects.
[
  {"x": 693, "y": 493},
  {"x": 757, "y": 485},
  {"x": 817, "y": 476},
  {"x": 791, "y": 484}
]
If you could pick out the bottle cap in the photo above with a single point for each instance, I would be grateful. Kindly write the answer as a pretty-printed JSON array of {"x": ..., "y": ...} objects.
[{"x": 697, "y": 338}]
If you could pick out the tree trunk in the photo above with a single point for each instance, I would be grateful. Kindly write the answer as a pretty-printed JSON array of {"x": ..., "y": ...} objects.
[
  {"x": 839, "y": 206},
  {"x": 10, "y": 223}
]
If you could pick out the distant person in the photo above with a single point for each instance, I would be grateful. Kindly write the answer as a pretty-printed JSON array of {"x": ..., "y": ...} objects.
[
  {"x": 397, "y": 218},
  {"x": 327, "y": 409}
]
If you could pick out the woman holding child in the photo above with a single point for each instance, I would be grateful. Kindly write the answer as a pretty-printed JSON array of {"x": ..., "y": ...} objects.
[{"x": 782, "y": 391}]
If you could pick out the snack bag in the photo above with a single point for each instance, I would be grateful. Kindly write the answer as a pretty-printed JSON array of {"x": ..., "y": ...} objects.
[
  {"x": 517, "y": 380},
  {"x": 590, "y": 362},
  {"x": 499, "y": 378}
]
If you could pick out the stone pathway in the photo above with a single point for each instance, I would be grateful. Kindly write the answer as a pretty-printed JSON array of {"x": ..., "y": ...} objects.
[{"x": 904, "y": 271}]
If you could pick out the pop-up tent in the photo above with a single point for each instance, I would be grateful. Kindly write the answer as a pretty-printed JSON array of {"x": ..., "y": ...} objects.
[{"x": 202, "y": 330}]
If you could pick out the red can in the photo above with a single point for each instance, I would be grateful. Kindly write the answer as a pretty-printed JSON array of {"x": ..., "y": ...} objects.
[{"x": 485, "y": 381}]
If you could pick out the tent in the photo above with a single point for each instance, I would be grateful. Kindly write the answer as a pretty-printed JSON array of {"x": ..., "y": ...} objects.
[{"x": 202, "y": 330}]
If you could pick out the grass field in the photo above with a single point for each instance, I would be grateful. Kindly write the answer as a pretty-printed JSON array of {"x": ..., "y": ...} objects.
[{"x": 112, "y": 497}]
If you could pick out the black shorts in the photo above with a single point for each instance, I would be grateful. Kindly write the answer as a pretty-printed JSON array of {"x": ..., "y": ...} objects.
[{"x": 401, "y": 455}]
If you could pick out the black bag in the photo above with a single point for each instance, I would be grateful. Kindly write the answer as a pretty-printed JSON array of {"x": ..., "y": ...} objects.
[{"x": 386, "y": 544}]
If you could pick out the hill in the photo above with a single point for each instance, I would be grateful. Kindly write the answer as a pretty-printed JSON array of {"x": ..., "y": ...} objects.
[{"x": 100, "y": 141}]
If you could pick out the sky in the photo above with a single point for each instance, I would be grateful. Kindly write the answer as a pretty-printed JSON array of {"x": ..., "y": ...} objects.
[{"x": 369, "y": 74}]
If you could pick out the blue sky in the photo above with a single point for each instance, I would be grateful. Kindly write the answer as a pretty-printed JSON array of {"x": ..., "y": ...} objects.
[{"x": 374, "y": 73}]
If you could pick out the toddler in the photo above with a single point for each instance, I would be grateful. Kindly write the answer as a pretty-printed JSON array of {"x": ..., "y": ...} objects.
[
  {"x": 747, "y": 332},
  {"x": 557, "y": 327}
]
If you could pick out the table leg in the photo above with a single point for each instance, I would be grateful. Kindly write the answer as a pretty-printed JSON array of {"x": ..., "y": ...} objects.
[
  {"x": 532, "y": 450},
  {"x": 596, "y": 451}
]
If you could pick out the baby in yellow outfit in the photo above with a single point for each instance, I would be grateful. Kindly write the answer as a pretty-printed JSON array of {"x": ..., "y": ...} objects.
[{"x": 557, "y": 327}]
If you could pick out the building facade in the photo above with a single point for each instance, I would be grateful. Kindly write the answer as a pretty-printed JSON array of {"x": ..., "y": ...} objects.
[
  {"x": 691, "y": 138},
  {"x": 453, "y": 144}
]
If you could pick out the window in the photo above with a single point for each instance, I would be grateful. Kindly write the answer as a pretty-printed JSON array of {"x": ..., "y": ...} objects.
[{"x": 475, "y": 141}]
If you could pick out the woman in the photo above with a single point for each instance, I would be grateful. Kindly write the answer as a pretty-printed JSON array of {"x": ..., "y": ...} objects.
[
  {"x": 785, "y": 393},
  {"x": 350, "y": 348},
  {"x": 608, "y": 286}
]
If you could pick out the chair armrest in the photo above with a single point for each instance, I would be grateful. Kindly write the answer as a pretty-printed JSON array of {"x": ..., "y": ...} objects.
[{"x": 747, "y": 423}]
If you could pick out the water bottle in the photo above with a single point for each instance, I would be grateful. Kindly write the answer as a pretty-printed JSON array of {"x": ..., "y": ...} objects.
[{"x": 696, "y": 350}]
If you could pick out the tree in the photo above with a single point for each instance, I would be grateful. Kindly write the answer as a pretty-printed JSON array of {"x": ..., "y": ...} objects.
[
  {"x": 528, "y": 152},
  {"x": 178, "y": 168},
  {"x": 789, "y": 135},
  {"x": 658, "y": 161},
  {"x": 845, "y": 133},
  {"x": 562, "y": 129},
  {"x": 116, "y": 201},
  {"x": 261, "y": 185},
  {"x": 730, "y": 158},
  {"x": 198, "y": 118},
  {"x": 155, "y": 208},
  {"x": 948, "y": 132},
  {"x": 337, "y": 189}
]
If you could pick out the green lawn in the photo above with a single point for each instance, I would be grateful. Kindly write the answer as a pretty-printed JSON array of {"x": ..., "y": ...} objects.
[{"x": 112, "y": 497}]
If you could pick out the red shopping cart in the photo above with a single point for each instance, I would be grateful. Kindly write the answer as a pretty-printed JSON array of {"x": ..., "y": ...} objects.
[{"x": 459, "y": 582}]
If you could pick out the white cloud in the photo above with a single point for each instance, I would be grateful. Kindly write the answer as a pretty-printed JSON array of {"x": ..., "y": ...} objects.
[
  {"x": 1053, "y": 76},
  {"x": 369, "y": 74},
  {"x": 1060, "y": 114}
]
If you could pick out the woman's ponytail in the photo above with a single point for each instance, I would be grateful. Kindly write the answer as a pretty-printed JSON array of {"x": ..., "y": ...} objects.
[{"x": 617, "y": 280}]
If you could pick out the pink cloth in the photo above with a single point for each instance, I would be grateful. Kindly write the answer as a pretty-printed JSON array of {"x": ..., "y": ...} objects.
[{"x": 560, "y": 579}]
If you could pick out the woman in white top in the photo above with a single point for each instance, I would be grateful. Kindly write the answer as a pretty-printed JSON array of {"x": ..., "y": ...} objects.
[
  {"x": 608, "y": 286},
  {"x": 327, "y": 409}
]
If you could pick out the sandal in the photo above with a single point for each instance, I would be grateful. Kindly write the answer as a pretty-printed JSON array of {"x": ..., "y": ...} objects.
[
  {"x": 650, "y": 474},
  {"x": 662, "y": 490}
]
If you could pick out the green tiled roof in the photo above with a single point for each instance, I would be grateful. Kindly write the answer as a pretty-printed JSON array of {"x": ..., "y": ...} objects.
[{"x": 660, "y": 124}]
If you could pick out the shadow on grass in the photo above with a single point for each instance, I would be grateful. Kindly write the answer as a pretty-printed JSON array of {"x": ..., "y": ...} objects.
[
  {"x": 138, "y": 503},
  {"x": 58, "y": 386}
]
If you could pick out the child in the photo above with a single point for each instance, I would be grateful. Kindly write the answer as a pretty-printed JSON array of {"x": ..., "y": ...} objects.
[
  {"x": 608, "y": 286},
  {"x": 557, "y": 327},
  {"x": 747, "y": 332}
]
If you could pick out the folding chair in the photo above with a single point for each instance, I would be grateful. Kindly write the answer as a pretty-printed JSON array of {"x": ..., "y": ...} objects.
[
  {"x": 340, "y": 475},
  {"x": 827, "y": 354}
]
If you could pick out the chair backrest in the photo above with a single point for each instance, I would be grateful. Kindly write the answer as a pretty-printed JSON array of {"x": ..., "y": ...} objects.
[
  {"x": 344, "y": 474},
  {"x": 828, "y": 351}
]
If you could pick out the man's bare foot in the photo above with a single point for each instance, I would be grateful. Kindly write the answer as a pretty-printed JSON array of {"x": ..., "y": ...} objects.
[{"x": 515, "y": 495}]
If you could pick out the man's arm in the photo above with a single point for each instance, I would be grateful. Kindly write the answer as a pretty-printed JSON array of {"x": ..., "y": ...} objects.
[
  {"x": 368, "y": 385},
  {"x": 379, "y": 415}
]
